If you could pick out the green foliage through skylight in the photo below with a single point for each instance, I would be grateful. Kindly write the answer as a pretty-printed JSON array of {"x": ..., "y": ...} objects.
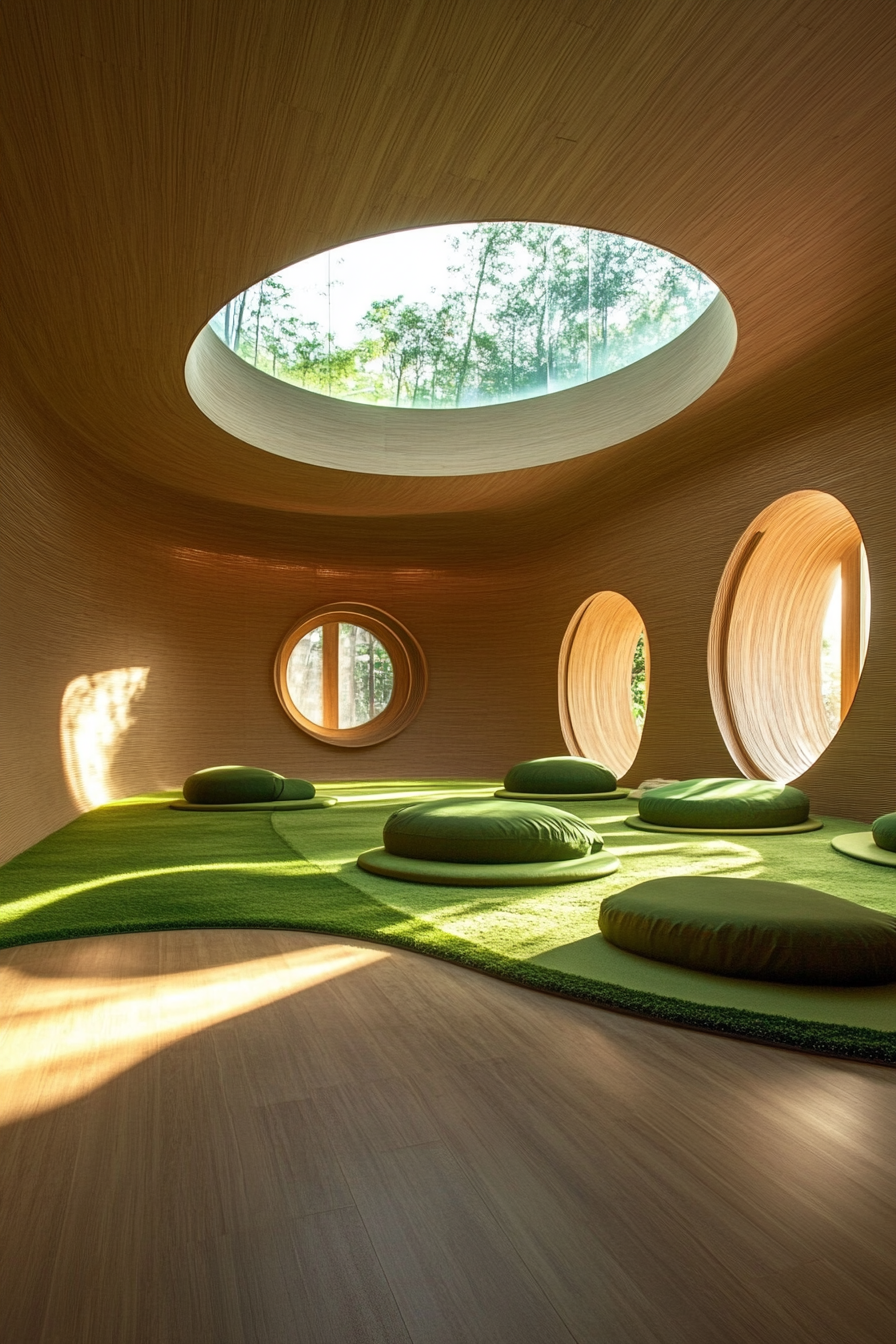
[{"x": 464, "y": 315}]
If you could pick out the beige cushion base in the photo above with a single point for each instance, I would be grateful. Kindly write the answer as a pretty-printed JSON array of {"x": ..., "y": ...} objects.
[
  {"x": 290, "y": 805},
  {"x": 561, "y": 797},
  {"x": 812, "y": 824},
  {"x": 384, "y": 864},
  {"x": 860, "y": 845}
]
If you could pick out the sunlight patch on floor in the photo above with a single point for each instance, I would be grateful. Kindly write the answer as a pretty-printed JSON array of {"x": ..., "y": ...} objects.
[{"x": 68, "y": 1036}]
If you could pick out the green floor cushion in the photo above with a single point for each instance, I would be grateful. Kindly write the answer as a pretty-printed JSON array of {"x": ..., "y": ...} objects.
[
  {"x": 560, "y": 774},
  {"x": 243, "y": 784},
  {"x": 884, "y": 831},
  {"x": 278, "y": 805},
  {"x": 862, "y": 845},
  {"x": 724, "y": 804},
  {"x": 753, "y": 930},
  {"x": 432, "y": 873},
  {"x": 464, "y": 830}
]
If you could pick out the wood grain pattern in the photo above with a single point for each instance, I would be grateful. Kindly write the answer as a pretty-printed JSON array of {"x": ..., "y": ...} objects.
[
  {"x": 162, "y": 157},
  {"x": 283, "y": 1136},
  {"x": 766, "y": 634},
  {"x": 595, "y": 681}
]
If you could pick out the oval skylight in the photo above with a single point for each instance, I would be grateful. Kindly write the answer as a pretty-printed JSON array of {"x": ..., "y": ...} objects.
[{"x": 464, "y": 315}]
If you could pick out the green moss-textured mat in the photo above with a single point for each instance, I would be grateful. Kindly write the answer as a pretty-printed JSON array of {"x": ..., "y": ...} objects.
[{"x": 139, "y": 865}]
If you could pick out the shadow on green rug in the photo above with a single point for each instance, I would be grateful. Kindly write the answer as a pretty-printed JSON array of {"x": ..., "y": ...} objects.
[{"x": 138, "y": 865}]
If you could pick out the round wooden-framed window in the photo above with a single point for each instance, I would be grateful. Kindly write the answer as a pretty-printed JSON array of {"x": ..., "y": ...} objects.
[
  {"x": 604, "y": 681},
  {"x": 350, "y": 675}
]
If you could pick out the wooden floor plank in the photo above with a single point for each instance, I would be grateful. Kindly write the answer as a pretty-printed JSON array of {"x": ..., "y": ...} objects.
[
  {"x": 455, "y": 1274},
  {"x": 252, "y": 1137}
]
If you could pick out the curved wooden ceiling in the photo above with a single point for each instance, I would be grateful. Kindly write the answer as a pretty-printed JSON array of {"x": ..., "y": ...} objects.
[{"x": 166, "y": 154}]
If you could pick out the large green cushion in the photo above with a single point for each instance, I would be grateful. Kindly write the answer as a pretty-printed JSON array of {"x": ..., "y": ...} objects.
[
  {"x": 884, "y": 831},
  {"x": 463, "y": 830},
  {"x": 560, "y": 774},
  {"x": 753, "y": 930},
  {"x": 243, "y": 784},
  {"x": 724, "y": 804}
]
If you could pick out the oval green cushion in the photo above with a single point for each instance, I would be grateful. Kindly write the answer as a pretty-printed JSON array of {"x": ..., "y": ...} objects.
[
  {"x": 753, "y": 930},
  {"x": 243, "y": 784},
  {"x": 560, "y": 774},
  {"x": 884, "y": 831},
  {"x": 724, "y": 804},
  {"x": 463, "y": 830}
]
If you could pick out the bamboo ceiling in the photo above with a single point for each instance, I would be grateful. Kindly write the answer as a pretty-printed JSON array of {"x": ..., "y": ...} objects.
[{"x": 166, "y": 154}]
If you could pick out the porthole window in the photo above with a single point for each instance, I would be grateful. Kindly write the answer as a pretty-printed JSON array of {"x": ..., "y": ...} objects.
[
  {"x": 350, "y": 675},
  {"x": 604, "y": 680},
  {"x": 789, "y": 634}
]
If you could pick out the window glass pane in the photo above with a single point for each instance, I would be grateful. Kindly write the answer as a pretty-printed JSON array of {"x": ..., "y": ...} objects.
[
  {"x": 365, "y": 676},
  {"x": 304, "y": 676}
]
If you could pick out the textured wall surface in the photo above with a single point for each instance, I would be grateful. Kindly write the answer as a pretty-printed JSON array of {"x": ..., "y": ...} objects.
[{"x": 108, "y": 572}]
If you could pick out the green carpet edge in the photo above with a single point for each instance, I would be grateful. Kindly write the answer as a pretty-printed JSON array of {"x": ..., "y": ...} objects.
[{"x": 855, "y": 1043}]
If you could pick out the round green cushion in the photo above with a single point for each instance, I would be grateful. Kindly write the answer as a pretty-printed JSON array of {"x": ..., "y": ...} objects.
[
  {"x": 753, "y": 930},
  {"x": 724, "y": 804},
  {"x": 560, "y": 774},
  {"x": 884, "y": 831},
  {"x": 463, "y": 830},
  {"x": 243, "y": 784}
]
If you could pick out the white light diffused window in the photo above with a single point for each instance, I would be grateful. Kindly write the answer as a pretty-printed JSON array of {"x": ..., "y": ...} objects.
[{"x": 340, "y": 663}]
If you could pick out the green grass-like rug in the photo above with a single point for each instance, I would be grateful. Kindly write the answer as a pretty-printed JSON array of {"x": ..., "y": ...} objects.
[{"x": 139, "y": 865}]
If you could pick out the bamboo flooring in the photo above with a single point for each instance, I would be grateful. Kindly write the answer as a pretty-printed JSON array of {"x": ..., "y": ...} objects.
[{"x": 220, "y": 1137}]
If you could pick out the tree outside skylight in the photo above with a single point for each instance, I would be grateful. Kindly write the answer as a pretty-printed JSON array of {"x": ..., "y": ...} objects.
[{"x": 456, "y": 316}]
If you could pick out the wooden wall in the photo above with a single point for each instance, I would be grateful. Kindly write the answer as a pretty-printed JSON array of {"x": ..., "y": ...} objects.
[{"x": 202, "y": 595}]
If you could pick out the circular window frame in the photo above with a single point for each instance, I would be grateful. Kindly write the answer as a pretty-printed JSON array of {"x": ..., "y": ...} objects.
[
  {"x": 606, "y": 731},
  {"x": 765, "y": 635},
  {"x": 410, "y": 677}
]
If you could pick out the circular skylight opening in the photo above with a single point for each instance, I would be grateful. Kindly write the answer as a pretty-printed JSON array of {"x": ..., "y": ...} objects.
[
  {"x": 432, "y": 352},
  {"x": 464, "y": 315}
]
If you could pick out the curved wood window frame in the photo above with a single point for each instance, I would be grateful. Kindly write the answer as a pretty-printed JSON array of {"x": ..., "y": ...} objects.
[
  {"x": 409, "y": 674},
  {"x": 594, "y": 680},
  {"x": 764, "y": 653}
]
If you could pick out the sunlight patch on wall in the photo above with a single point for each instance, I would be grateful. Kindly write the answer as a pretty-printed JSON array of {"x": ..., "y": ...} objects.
[{"x": 96, "y": 713}]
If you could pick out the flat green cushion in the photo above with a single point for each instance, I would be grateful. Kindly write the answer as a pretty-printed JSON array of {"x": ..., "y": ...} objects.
[
  {"x": 464, "y": 830},
  {"x": 884, "y": 831},
  {"x": 560, "y": 774},
  {"x": 725, "y": 804},
  {"x": 243, "y": 784},
  {"x": 753, "y": 930}
]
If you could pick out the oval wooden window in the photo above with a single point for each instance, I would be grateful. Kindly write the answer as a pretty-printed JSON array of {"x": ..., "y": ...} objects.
[
  {"x": 350, "y": 675},
  {"x": 604, "y": 679},
  {"x": 789, "y": 633}
]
